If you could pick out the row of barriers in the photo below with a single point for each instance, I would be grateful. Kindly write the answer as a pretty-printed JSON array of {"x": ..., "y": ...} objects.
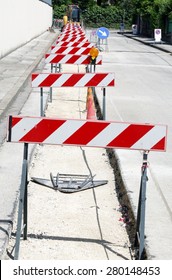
[{"x": 72, "y": 47}]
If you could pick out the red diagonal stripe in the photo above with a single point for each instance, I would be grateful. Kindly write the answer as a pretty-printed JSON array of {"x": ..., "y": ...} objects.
[
  {"x": 74, "y": 50},
  {"x": 160, "y": 145},
  {"x": 15, "y": 121},
  {"x": 42, "y": 130},
  {"x": 73, "y": 59},
  {"x": 50, "y": 80},
  {"x": 73, "y": 80},
  {"x": 86, "y": 51},
  {"x": 130, "y": 136},
  {"x": 112, "y": 83},
  {"x": 96, "y": 79},
  {"x": 57, "y": 58},
  {"x": 86, "y": 61},
  {"x": 63, "y": 43},
  {"x": 34, "y": 76},
  {"x": 86, "y": 133},
  {"x": 60, "y": 50}
]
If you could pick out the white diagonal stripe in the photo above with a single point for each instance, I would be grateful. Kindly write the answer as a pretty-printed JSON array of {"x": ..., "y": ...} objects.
[
  {"x": 49, "y": 58},
  {"x": 68, "y": 50},
  {"x": 98, "y": 59},
  {"x": 23, "y": 127},
  {"x": 39, "y": 79},
  {"x": 151, "y": 138},
  {"x": 65, "y": 59},
  {"x": 64, "y": 132},
  {"x": 61, "y": 80},
  {"x": 108, "y": 134},
  {"x": 85, "y": 79},
  {"x": 81, "y": 59},
  {"x": 54, "y": 50},
  {"x": 80, "y": 51}
]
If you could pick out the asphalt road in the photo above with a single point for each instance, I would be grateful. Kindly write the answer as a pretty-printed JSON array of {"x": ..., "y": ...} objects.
[{"x": 143, "y": 95}]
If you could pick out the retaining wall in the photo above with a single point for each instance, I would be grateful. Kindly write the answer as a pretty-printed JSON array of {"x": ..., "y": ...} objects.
[{"x": 21, "y": 21}]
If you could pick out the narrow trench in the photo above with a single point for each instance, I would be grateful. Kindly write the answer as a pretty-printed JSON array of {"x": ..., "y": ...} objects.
[{"x": 120, "y": 189}]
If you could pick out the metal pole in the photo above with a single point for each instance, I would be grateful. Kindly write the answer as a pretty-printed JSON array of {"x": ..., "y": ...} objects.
[
  {"x": 21, "y": 204},
  {"x": 41, "y": 103},
  {"x": 140, "y": 225},
  {"x": 50, "y": 98},
  {"x": 52, "y": 67},
  {"x": 25, "y": 157},
  {"x": 143, "y": 207},
  {"x": 104, "y": 103}
]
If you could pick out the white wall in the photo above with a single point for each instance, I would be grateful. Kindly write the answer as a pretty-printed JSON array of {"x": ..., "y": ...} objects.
[{"x": 21, "y": 21}]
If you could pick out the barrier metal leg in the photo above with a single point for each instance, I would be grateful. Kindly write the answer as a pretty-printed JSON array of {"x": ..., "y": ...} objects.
[
  {"x": 104, "y": 104},
  {"x": 22, "y": 203},
  {"x": 41, "y": 103},
  {"x": 50, "y": 96},
  {"x": 25, "y": 157},
  {"x": 140, "y": 226}
]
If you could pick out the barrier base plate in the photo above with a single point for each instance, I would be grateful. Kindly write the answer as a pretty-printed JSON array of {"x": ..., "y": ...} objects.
[{"x": 69, "y": 183}]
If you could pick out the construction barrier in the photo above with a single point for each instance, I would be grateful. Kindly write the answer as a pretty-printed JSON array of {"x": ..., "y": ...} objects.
[{"x": 71, "y": 50}]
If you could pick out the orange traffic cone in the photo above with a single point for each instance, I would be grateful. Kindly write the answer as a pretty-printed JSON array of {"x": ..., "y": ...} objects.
[{"x": 91, "y": 112}]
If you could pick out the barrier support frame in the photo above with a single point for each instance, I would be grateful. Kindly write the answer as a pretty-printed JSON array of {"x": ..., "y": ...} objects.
[
  {"x": 23, "y": 198},
  {"x": 139, "y": 243}
]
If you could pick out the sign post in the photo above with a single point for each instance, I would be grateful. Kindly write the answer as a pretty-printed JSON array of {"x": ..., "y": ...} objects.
[
  {"x": 157, "y": 35},
  {"x": 102, "y": 34}
]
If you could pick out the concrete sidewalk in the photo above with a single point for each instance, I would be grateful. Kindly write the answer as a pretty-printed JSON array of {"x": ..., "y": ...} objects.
[
  {"x": 16, "y": 67},
  {"x": 163, "y": 46},
  {"x": 15, "y": 87}
]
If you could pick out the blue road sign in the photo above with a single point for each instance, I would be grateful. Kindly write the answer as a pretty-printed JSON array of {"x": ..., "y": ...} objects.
[{"x": 102, "y": 32}]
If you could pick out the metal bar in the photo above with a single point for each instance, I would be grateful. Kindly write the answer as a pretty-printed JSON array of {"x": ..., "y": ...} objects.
[
  {"x": 137, "y": 237},
  {"x": 9, "y": 128},
  {"x": 143, "y": 208},
  {"x": 140, "y": 224},
  {"x": 41, "y": 103},
  {"x": 104, "y": 103},
  {"x": 51, "y": 95},
  {"x": 25, "y": 157},
  {"x": 21, "y": 204},
  {"x": 52, "y": 67}
]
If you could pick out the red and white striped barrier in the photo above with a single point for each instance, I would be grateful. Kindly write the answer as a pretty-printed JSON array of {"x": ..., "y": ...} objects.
[
  {"x": 70, "y": 50},
  {"x": 72, "y": 26},
  {"x": 73, "y": 32},
  {"x": 87, "y": 133},
  {"x": 70, "y": 38},
  {"x": 74, "y": 39},
  {"x": 73, "y": 80},
  {"x": 71, "y": 59},
  {"x": 75, "y": 44}
]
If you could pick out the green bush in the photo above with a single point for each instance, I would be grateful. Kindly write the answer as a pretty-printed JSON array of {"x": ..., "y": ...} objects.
[
  {"x": 109, "y": 17},
  {"x": 59, "y": 11},
  {"x": 97, "y": 16}
]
